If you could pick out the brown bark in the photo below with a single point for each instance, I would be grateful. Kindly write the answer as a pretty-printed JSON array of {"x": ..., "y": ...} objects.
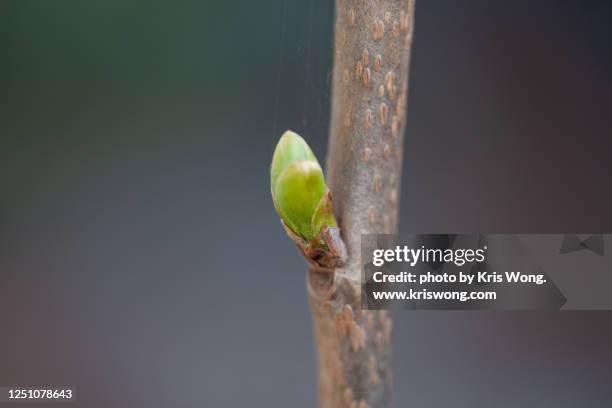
[{"x": 370, "y": 79}]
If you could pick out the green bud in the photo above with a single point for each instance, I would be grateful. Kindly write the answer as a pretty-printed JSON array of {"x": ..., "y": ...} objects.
[{"x": 298, "y": 187}]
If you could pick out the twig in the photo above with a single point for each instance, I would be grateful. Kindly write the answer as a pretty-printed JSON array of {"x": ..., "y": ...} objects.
[{"x": 371, "y": 60}]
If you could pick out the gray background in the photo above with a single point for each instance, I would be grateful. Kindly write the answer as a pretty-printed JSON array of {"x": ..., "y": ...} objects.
[{"x": 142, "y": 261}]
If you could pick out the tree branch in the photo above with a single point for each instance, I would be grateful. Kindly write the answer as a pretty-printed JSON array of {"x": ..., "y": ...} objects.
[{"x": 370, "y": 78}]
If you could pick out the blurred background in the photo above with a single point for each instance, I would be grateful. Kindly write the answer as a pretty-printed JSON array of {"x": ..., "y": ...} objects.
[{"x": 142, "y": 262}]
